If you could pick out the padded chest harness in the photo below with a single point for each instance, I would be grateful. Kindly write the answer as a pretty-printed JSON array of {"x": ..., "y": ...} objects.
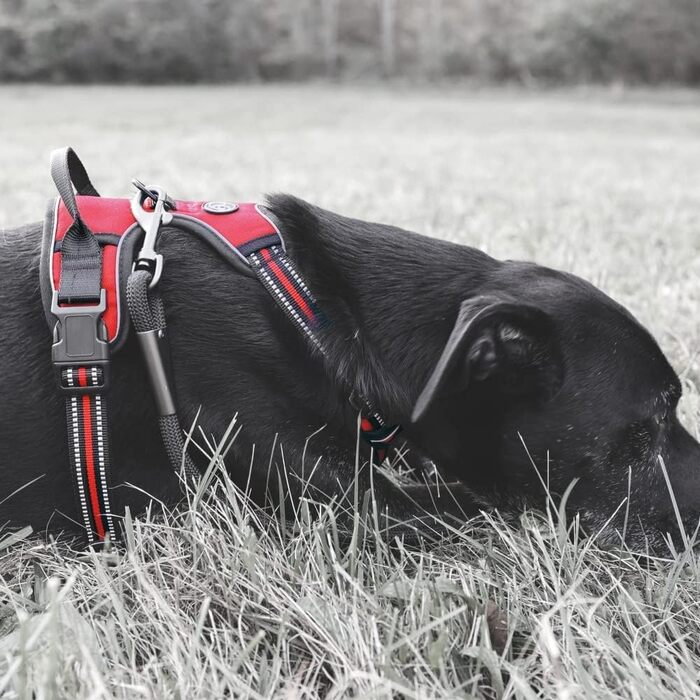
[{"x": 95, "y": 286}]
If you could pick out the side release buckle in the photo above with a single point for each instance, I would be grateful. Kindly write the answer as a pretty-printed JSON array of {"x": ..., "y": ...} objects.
[{"x": 80, "y": 340}]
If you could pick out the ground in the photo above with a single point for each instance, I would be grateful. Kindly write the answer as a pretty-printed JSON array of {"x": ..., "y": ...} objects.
[{"x": 602, "y": 183}]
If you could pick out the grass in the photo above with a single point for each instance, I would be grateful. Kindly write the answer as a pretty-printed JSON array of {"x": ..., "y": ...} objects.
[{"x": 214, "y": 601}]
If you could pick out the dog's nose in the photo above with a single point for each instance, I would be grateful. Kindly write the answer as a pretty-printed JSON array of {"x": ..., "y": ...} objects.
[{"x": 679, "y": 502}]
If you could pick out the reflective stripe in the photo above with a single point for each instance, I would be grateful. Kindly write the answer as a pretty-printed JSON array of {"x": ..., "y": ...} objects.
[
  {"x": 88, "y": 450},
  {"x": 287, "y": 287}
]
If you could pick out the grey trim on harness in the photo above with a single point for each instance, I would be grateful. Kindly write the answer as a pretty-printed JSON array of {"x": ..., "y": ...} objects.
[{"x": 238, "y": 258}]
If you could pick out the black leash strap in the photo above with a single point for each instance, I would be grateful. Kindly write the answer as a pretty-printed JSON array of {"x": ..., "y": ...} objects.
[
  {"x": 148, "y": 319},
  {"x": 81, "y": 255}
]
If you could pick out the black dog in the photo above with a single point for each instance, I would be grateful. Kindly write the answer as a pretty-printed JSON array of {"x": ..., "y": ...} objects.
[{"x": 475, "y": 357}]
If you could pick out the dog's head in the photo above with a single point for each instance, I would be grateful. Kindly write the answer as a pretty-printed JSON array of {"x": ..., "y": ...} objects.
[{"x": 554, "y": 369}]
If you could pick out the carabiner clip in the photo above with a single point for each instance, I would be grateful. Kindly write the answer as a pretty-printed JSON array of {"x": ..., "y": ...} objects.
[{"x": 150, "y": 222}]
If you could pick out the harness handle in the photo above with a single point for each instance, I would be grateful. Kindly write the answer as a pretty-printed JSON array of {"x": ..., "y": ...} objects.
[
  {"x": 68, "y": 171},
  {"x": 81, "y": 268}
]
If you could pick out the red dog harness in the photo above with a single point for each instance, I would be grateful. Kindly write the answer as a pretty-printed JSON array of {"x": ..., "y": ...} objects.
[
  {"x": 236, "y": 231},
  {"x": 95, "y": 285}
]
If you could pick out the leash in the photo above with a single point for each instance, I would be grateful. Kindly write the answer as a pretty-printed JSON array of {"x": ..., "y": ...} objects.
[
  {"x": 148, "y": 318},
  {"x": 85, "y": 314}
]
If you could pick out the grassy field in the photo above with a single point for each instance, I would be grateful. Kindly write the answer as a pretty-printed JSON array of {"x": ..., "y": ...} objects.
[{"x": 204, "y": 604}]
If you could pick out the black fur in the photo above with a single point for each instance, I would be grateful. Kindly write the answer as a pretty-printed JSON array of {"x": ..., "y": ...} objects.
[{"x": 490, "y": 350}]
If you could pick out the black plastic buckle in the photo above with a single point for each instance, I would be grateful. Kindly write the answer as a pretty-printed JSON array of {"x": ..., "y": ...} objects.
[{"x": 80, "y": 339}]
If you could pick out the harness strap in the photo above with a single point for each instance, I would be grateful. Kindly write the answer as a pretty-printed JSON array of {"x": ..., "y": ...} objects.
[
  {"x": 81, "y": 353},
  {"x": 379, "y": 436},
  {"x": 277, "y": 274},
  {"x": 286, "y": 286},
  {"x": 88, "y": 447}
]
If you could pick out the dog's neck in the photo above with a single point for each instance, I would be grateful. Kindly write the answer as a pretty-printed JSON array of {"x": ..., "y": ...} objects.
[{"x": 392, "y": 296}]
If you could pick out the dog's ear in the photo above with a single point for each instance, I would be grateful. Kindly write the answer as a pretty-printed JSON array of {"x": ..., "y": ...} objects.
[{"x": 509, "y": 344}]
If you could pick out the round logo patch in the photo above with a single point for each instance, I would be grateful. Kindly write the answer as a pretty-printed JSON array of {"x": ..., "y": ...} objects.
[{"x": 220, "y": 207}]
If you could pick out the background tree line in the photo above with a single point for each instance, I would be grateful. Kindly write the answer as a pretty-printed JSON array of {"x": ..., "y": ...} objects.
[{"x": 526, "y": 41}]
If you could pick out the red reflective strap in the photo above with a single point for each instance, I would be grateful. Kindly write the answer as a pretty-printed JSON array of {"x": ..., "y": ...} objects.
[
  {"x": 366, "y": 425},
  {"x": 282, "y": 277},
  {"x": 90, "y": 455}
]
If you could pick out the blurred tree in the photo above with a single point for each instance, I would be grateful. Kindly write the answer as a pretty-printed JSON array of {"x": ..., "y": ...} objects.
[
  {"x": 301, "y": 39},
  {"x": 329, "y": 32},
  {"x": 431, "y": 32},
  {"x": 387, "y": 13},
  {"x": 526, "y": 41}
]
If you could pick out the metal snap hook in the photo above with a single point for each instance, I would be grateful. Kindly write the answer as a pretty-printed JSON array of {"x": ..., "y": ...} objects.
[{"x": 150, "y": 222}]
